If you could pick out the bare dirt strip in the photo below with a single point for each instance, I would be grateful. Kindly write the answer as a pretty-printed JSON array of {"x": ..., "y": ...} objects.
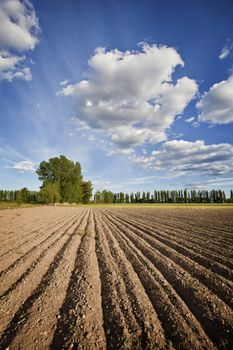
[{"x": 116, "y": 278}]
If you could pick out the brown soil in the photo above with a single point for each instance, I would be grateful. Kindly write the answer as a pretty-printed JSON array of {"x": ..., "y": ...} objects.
[{"x": 116, "y": 278}]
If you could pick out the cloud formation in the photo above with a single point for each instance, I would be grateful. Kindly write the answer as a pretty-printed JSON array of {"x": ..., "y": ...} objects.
[
  {"x": 18, "y": 32},
  {"x": 131, "y": 95},
  {"x": 216, "y": 105},
  {"x": 25, "y": 165},
  {"x": 225, "y": 50},
  {"x": 12, "y": 67},
  {"x": 181, "y": 157},
  {"x": 190, "y": 120}
]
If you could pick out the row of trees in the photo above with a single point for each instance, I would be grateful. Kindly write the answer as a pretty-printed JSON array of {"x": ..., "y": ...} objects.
[
  {"x": 62, "y": 181},
  {"x": 20, "y": 196},
  {"x": 50, "y": 194},
  {"x": 181, "y": 196}
]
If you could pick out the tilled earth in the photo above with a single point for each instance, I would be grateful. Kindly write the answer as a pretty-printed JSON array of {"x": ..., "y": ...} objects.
[{"x": 116, "y": 278}]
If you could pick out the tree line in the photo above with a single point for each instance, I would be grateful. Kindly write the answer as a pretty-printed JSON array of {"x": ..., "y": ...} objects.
[
  {"x": 164, "y": 196},
  {"x": 62, "y": 181}
]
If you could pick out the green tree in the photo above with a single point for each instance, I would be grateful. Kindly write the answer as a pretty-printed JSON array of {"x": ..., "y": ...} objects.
[
  {"x": 19, "y": 197},
  {"x": 67, "y": 176},
  {"x": 132, "y": 200},
  {"x": 122, "y": 197},
  {"x": 143, "y": 199},
  {"x": 97, "y": 197},
  {"x": 231, "y": 196},
  {"x": 115, "y": 198},
  {"x": 25, "y": 195},
  {"x": 86, "y": 191},
  {"x": 50, "y": 193}
]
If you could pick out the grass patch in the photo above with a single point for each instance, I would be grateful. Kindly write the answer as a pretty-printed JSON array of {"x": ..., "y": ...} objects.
[
  {"x": 15, "y": 205},
  {"x": 153, "y": 205}
]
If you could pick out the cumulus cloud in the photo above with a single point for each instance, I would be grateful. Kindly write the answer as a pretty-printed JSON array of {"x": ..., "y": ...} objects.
[
  {"x": 128, "y": 136},
  {"x": 131, "y": 95},
  {"x": 216, "y": 105},
  {"x": 11, "y": 67},
  {"x": 18, "y": 32},
  {"x": 225, "y": 50},
  {"x": 193, "y": 158},
  {"x": 18, "y": 25}
]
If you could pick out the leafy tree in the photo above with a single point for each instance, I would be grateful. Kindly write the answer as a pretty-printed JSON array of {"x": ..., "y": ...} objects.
[
  {"x": 148, "y": 196},
  {"x": 19, "y": 197},
  {"x": 231, "y": 196},
  {"x": 86, "y": 191},
  {"x": 137, "y": 197},
  {"x": 143, "y": 200},
  {"x": 25, "y": 195},
  {"x": 155, "y": 196},
  {"x": 67, "y": 176},
  {"x": 50, "y": 193},
  {"x": 115, "y": 198},
  {"x": 105, "y": 196},
  {"x": 158, "y": 197},
  {"x": 108, "y": 196},
  {"x": 131, "y": 198},
  {"x": 97, "y": 197},
  {"x": 122, "y": 197}
]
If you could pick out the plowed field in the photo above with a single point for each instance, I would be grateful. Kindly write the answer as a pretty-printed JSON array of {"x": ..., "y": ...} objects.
[{"x": 116, "y": 278}]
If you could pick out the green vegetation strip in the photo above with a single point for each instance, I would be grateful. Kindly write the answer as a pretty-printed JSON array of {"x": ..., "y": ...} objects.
[{"x": 15, "y": 205}]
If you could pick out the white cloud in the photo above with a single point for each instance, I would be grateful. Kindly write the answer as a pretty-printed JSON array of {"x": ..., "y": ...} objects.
[
  {"x": 129, "y": 136},
  {"x": 130, "y": 95},
  {"x": 225, "y": 50},
  {"x": 184, "y": 157},
  {"x": 25, "y": 165},
  {"x": 224, "y": 53},
  {"x": 18, "y": 25},
  {"x": 195, "y": 124},
  {"x": 216, "y": 105},
  {"x": 11, "y": 67},
  {"x": 210, "y": 183},
  {"x": 64, "y": 82},
  {"x": 190, "y": 120},
  {"x": 18, "y": 32},
  {"x": 91, "y": 138},
  {"x": 124, "y": 151}
]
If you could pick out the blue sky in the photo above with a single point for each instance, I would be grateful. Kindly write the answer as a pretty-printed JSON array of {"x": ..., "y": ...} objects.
[{"x": 140, "y": 92}]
